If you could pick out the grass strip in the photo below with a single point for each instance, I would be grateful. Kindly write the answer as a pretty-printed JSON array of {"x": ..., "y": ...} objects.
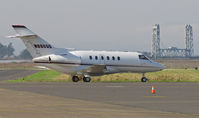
[{"x": 167, "y": 75}]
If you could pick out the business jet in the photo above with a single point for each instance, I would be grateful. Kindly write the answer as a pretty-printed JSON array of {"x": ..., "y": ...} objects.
[{"x": 83, "y": 64}]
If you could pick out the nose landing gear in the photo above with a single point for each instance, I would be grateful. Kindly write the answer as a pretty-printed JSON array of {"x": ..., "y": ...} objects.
[{"x": 144, "y": 79}]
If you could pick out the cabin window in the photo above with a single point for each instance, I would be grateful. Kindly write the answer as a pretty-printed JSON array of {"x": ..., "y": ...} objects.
[
  {"x": 50, "y": 46},
  {"x": 113, "y": 58},
  {"x": 90, "y": 57},
  {"x": 96, "y": 57},
  {"x": 118, "y": 58},
  {"x": 44, "y": 46},
  {"x": 108, "y": 58},
  {"x": 35, "y": 45},
  {"x": 41, "y": 45},
  {"x": 38, "y": 45},
  {"x": 143, "y": 57},
  {"x": 102, "y": 58}
]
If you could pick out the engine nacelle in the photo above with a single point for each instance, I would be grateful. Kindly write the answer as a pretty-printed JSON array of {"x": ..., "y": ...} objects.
[{"x": 63, "y": 58}]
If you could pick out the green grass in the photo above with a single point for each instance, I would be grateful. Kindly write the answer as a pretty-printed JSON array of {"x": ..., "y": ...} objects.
[
  {"x": 42, "y": 76},
  {"x": 175, "y": 75},
  {"x": 167, "y": 75}
]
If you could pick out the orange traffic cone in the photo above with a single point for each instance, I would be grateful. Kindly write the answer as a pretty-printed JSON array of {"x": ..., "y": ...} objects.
[{"x": 153, "y": 89}]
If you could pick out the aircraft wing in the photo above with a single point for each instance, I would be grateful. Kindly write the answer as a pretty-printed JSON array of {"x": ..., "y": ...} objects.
[{"x": 94, "y": 69}]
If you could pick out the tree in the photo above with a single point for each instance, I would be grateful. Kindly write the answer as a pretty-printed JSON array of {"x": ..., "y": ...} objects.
[
  {"x": 6, "y": 51},
  {"x": 10, "y": 50},
  {"x": 2, "y": 50},
  {"x": 25, "y": 54}
]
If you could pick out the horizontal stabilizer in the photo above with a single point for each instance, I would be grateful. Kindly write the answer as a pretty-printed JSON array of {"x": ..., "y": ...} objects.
[
  {"x": 20, "y": 36},
  {"x": 22, "y": 30}
]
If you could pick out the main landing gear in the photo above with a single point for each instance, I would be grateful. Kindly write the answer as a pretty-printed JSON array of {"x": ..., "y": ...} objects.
[
  {"x": 85, "y": 79},
  {"x": 88, "y": 79},
  {"x": 75, "y": 78},
  {"x": 144, "y": 79}
]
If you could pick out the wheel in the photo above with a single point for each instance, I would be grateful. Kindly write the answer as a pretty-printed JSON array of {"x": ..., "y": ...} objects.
[
  {"x": 86, "y": 79},
  {"x": 75, "y": 78},
  {"x": 144, "y": 79}
]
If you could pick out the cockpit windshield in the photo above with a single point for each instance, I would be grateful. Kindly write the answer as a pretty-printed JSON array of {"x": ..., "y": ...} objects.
[{"x": 143, "y": 57}]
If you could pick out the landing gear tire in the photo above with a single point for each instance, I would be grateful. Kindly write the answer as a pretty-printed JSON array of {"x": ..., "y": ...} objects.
[
  {"x": 75, "y": 78},
  {"x": 144, "y": 79},
  {"x": 86, "y": 79}
]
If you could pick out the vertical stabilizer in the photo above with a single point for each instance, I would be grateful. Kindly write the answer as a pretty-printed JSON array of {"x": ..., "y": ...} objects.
[{"x": 34, "y": 44}]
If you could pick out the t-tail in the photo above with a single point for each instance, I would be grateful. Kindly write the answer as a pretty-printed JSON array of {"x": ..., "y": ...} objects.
[{"x": 34, "y": 44}]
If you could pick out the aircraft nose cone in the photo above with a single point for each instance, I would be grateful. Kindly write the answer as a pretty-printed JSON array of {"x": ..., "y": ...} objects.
[{"x": 160, "y": 66}]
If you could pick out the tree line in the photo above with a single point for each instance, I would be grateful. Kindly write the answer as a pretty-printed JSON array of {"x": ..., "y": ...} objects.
[{"x": 7, "y": 52}]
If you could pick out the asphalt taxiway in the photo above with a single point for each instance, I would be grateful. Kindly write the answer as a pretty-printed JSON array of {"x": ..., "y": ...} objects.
[
  {"x": 179, "y": 100},
  {"x": 14, "y": 74}
]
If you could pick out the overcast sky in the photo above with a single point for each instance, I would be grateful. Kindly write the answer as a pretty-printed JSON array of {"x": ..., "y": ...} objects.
[{"x": 101, "y": 24}]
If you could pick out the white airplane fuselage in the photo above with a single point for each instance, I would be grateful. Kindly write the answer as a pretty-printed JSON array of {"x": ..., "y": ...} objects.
[
  {"x": 72, "y": 62},
  {"x": 83, "y": 63}
]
